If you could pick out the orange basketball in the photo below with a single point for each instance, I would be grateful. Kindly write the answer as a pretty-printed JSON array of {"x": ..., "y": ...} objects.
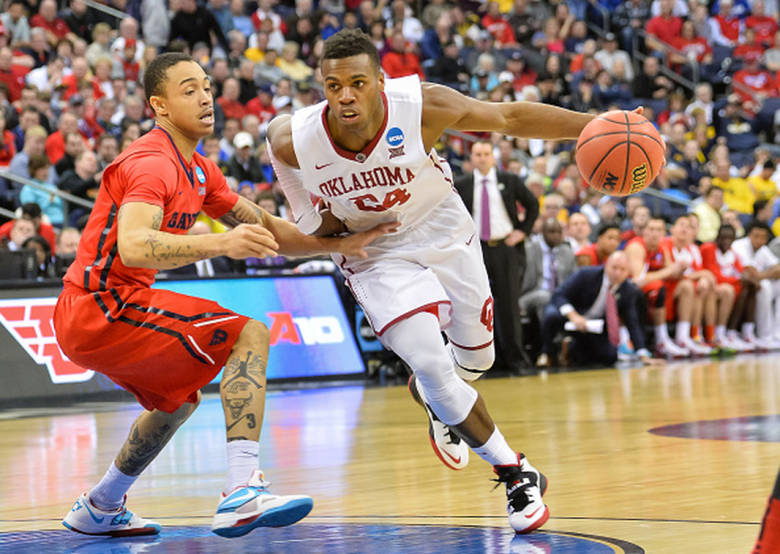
[{"x": 620, "y": 153}]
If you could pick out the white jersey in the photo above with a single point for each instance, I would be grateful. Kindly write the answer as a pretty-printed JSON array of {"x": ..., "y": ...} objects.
[{"x": 392, "y": 179}]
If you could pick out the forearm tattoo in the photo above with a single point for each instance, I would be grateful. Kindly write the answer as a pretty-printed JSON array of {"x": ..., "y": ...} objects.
[
  {"x": 140, "y": 449},
  {"x": 242, "y": 212},
  {"x": 241, "y": 381}
]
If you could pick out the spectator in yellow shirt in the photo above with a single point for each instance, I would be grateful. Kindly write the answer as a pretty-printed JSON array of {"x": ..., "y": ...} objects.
[
  {"x": 764, "y": 188},
  {"x": 736, "y": 191}
]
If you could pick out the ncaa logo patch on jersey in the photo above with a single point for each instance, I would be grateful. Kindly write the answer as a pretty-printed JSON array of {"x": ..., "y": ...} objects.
[
  {"x": 395, "y": 138},
  {"x": 200, "y": 175}
]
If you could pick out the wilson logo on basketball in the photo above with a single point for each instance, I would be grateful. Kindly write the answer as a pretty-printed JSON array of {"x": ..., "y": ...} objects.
[
  {"x": 638, "y": 176},
  {"x": 29, "y": 321}
]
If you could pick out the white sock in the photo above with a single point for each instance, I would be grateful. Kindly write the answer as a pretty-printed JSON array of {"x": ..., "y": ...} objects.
[
  {"x": 625, "y": 336},
  {"x": 748, "y": 329},
  {"x": 683, "y": 332},
  {"x": 661, "y": 334},
  {"x": 242, "y": 460},
  {"x": 720, "y": 332},
  {"x": 496, "y": 451},
  {"x": 110, "y": 492}
]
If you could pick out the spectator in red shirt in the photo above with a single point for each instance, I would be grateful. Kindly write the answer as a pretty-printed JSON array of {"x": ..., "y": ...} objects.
[
  {"x": 46, "y": 18},
  {"x": 726, "y": 27},
  {"x": 229, "y": 99},
  {"x": 401, "y": 61},
  {"x": 523, "y": 75},
  {"x": 764, "y": 25},
  {"x": 7, "y": 143},
  {"x": 11, "y": 75},
  {"x": 749, "y": 46},
  {"x": 759, "y": 81},
  {"x": 691, "y": 46},
  {"x": 262, "y": 105},
  {"x": 664, "y": 28},
  {"x": 130, "y": 68},
  {"x": 498, "y": 26},
  {"x": 55, "y": 144}
]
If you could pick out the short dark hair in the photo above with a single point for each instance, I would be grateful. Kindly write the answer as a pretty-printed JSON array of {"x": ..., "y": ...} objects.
[
  {"x": 603, "y": 229},
  {"x": 756, "y": 224},
  {"x": 350, "y": 42},
  {"x": 759, "y": 205},
  {"x": 31, "y": 210},
  {"x": 156, "y": 72},
  {"x": 726, "y": 227},
  {"x": 712, "y": 189}
]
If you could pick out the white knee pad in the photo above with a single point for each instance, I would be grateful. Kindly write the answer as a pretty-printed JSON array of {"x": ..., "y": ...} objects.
[
  {"x": 470, "y": 365},
  {"x": 418, "y": 342}
]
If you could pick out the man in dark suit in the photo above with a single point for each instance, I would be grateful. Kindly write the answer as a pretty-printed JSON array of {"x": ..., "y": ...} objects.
[
  {"x": 492, "y": 197},
  {"x": 595, "y": 293}
]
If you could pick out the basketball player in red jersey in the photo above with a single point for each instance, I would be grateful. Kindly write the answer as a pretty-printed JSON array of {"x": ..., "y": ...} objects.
[
  {"x": 597, "y": 253},
  {"x": 650, "y": 271},
  {"x": 162, "y": 346},
  {"x": 692, "y": 296}
]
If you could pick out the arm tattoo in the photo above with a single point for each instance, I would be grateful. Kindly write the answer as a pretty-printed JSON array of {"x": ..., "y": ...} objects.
[
  {"x": 157, "y": 220},
  {"x": 139, "y": 450},
  {"x": 242, "y": 212}
]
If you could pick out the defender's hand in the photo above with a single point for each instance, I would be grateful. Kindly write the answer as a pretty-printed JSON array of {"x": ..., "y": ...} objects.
[
  {"x": 249, "y": 240},
  {"x": 353, "y": 245}
]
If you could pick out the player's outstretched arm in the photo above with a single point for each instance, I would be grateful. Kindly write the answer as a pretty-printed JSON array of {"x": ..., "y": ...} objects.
[
  {"x": 445, "y": 108},
  {"x": 142, "y": 244},
  {"x": 293, "y": 243}
]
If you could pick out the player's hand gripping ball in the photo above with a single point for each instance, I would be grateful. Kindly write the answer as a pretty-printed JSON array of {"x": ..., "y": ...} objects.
[{"x": 620, "y": 153}]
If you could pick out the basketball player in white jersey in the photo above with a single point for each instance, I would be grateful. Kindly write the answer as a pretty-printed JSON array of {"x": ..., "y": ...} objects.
[{"x": 367, "y": 152}]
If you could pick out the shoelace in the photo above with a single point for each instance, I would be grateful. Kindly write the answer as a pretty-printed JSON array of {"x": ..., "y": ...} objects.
[
  {"x": 122, "y": 518},
  {"x": 452, "y": 436}
]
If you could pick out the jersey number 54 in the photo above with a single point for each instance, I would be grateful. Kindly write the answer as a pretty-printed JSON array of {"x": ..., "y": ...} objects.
[{"x": 370, "y": 203}]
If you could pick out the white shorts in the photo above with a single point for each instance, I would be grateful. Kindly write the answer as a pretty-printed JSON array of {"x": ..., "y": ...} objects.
[{"x": 435, "y": 266}]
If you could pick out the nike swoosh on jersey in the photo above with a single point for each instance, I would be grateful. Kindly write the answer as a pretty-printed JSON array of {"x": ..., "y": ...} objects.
[
  {"x": 323, "y": 166},
  {"x": 468, "y": 242}
]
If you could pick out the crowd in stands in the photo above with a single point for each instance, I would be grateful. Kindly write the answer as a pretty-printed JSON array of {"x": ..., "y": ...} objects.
[{"x": 706, "y": 73}]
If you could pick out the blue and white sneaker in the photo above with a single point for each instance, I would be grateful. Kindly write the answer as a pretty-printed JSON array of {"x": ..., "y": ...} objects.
[
  {"x": 84, "y": 517},
  {"x": 625, "y": 353},
  {"x": 253, "y": 506}
]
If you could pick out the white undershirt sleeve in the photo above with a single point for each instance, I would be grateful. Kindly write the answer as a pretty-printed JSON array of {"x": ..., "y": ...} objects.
[{"x": 307, "y": 218}]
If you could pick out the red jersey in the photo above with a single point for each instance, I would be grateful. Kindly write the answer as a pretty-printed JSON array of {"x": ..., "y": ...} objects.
[
  {"x": 57, "y": 26},
  {"x": 14, "y": 78},
  {"x": 233, "y": 110},
  {"x": 654, "y": 261},
  {"x": 590, "y": 251},
  {"x": 152, "y": 171},
  {"x": 7, "y": 148},
  {"x": 765, "y": 28},
  {"x": 689, "y": 254},
  {"x": 666, "y": 29},
  {"x": 725, "y": 266},
  {"x": 265, "y": 113}
]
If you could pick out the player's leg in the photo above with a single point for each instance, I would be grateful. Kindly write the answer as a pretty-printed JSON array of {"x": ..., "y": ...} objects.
[
  {"x": 688, "y": 304},
  {"x": 246, "y": 503},
  {"x": 656, "y": 300},
  {"x": 102, "y": 510},
  {"x": 417, "y": 340},
  {"x": 769, "y": 536}
]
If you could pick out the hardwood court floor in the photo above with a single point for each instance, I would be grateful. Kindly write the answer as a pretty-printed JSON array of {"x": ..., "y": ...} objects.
[{"x": 697, "y": 483}]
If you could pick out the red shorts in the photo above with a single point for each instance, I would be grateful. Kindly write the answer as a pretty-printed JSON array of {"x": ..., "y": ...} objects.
[{"x": 160, "y": 345}]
